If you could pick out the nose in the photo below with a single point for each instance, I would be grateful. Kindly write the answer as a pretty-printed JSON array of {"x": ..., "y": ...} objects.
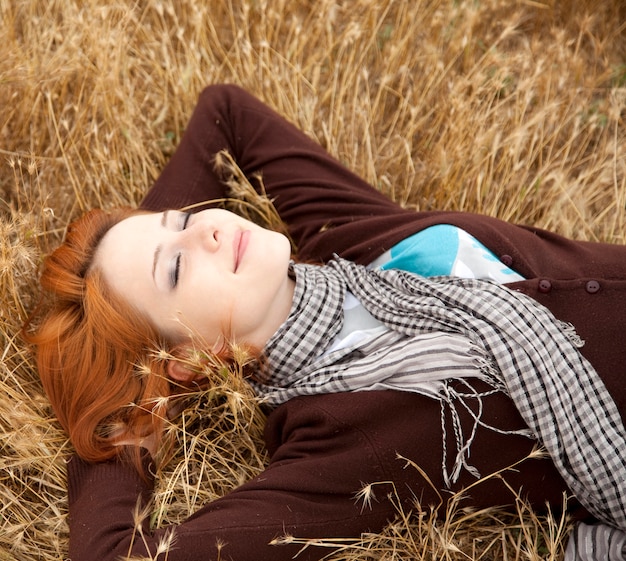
[{"x": 203, "y": 234}]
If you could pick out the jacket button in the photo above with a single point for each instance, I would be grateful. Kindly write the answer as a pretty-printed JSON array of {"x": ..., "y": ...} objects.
[
  {"x": 545, "y": 286},
  {"x": 507, "y": 260},
  {"x": 592, "y": 286}
]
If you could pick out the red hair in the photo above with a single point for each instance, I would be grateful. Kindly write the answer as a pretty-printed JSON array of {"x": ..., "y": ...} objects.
[{"x": 98, "y": 357}]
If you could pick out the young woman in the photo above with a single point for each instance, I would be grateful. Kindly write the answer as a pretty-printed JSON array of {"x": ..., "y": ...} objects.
[{"x": 126, "y": 282}]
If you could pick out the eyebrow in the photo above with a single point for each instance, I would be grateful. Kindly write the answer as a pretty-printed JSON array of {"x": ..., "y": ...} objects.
[{"x": 159, "y": 247}]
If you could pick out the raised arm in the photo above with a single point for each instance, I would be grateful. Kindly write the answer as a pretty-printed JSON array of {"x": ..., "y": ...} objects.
[
  {"x": 324, "y": 449},
  {"x": 307, "y": 491},
  {"x": 323, "y": 203}
]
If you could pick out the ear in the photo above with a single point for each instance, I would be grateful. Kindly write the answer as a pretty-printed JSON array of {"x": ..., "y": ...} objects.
[{"x": 179, "y": 372}]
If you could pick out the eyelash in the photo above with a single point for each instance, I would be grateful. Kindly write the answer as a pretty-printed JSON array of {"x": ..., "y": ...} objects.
[
  {"x": 175, "y": 272},
  {"x": 186, "y": 217}
]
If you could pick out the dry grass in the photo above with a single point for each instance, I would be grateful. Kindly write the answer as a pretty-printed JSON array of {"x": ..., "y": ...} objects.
[{"x": 513, "y": 108}]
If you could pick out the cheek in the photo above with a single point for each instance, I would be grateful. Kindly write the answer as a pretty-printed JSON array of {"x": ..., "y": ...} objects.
[
  {"x": 207, "y": 313},
  {"x": 167, "y": 325}
]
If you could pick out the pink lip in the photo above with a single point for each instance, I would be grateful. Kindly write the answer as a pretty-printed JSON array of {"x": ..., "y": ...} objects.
[{"x": 240, "y": 244}]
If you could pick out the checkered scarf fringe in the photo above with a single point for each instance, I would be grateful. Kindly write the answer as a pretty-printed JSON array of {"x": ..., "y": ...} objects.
[{"x": 524, "y": 350}]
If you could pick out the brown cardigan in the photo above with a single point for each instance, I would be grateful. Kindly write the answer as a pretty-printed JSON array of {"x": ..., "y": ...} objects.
[{"x": 326, "y": 448}]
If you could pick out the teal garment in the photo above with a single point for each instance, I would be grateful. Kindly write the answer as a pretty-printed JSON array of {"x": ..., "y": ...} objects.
[
  {"x": 446, "y": 250},
  {"x": 441, "y": 250}
]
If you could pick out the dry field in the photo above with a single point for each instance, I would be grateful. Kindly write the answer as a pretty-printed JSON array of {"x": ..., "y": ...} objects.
[{"x": 513, "y": 108}]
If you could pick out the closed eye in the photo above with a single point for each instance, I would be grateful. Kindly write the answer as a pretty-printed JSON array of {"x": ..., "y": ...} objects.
[
  {"x": 185, "y": 220},
  {"x": 175, "y": 273}
]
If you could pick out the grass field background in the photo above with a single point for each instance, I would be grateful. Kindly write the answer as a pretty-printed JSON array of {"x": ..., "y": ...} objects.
[{"x": 513, "y": 108}]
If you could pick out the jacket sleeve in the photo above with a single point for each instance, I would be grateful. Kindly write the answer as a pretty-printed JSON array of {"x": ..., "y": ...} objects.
[
  {"x": 307, "y": 491},
  {"x": 324, "y": 450},
  {"x": 322, "y": 202}
]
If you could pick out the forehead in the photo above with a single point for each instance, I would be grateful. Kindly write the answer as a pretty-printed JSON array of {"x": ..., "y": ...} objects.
[
  {"x": 128, "y": 243},
  {"x": 136, "y": 226}
]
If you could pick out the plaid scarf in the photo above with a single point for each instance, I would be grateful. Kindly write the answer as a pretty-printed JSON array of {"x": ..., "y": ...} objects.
[{"x": 517, "y": 345}]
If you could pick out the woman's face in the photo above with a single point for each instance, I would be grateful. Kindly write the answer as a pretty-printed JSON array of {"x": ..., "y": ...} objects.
[{"x": 207, "y": 275}]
